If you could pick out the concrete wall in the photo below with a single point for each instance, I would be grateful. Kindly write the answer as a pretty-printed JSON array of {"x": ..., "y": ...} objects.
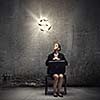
[{"x": 75, "y": 24}]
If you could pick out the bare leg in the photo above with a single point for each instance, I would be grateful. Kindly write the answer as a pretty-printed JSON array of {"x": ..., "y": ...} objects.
[
  {"x": 55, "y": 76},
  {"x": 60, "y": 82}
]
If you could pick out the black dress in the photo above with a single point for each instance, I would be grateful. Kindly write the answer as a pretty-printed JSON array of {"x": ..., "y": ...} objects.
[{"x": 54, "y": 69}]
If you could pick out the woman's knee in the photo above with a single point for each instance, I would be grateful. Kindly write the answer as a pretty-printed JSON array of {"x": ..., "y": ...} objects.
[
  {"x": 61, "y": 75},
  {"x": 55, "y": 76}
]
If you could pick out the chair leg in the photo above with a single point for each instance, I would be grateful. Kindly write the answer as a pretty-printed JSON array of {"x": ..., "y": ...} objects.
[
  {"x": 65, "y": 90},
  {"x": 46, "y": 86},
  {"x": 65, "y": 86}
]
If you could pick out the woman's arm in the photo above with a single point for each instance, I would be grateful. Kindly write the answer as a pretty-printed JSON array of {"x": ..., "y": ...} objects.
[
  {"x": 48, "y": 59},
  {"x": 63, "y": 58}
]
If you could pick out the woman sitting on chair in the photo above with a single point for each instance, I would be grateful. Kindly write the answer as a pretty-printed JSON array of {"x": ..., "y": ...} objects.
[{"x": 57, "y": 75}]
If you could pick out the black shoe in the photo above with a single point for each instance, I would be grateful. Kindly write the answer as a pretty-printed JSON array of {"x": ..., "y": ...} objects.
[
  {"x": 60, "y": 94},
  {"x": 55, "y": 94}
]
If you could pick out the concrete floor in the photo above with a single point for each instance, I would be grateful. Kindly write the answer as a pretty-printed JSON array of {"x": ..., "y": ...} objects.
[{"x": 29, "y": 93}]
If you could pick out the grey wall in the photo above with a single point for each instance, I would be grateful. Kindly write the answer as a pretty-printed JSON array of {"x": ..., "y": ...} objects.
[{"x": 75, "y": 24}]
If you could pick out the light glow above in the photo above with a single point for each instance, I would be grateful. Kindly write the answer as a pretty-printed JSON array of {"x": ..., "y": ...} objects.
[
  {"x": 39, "y": 22},
  {"x": 44, "y": 24}
]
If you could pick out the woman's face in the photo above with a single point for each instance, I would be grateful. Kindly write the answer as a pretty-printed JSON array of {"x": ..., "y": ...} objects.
[{"x": 56, "y": 46}]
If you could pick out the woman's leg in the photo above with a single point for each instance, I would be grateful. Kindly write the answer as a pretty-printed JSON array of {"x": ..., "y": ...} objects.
[
  {"x": 55, "y": 76},
  {"x": 60, "y": 82}
]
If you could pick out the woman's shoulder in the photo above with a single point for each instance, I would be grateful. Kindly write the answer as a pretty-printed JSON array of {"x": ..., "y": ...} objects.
[
  {"x": 61, "y": 53},
  {"x": 50, "y": 54}
]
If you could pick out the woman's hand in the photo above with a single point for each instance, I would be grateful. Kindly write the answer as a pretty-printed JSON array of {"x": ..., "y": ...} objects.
[{"x": 56, "y": 58}]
